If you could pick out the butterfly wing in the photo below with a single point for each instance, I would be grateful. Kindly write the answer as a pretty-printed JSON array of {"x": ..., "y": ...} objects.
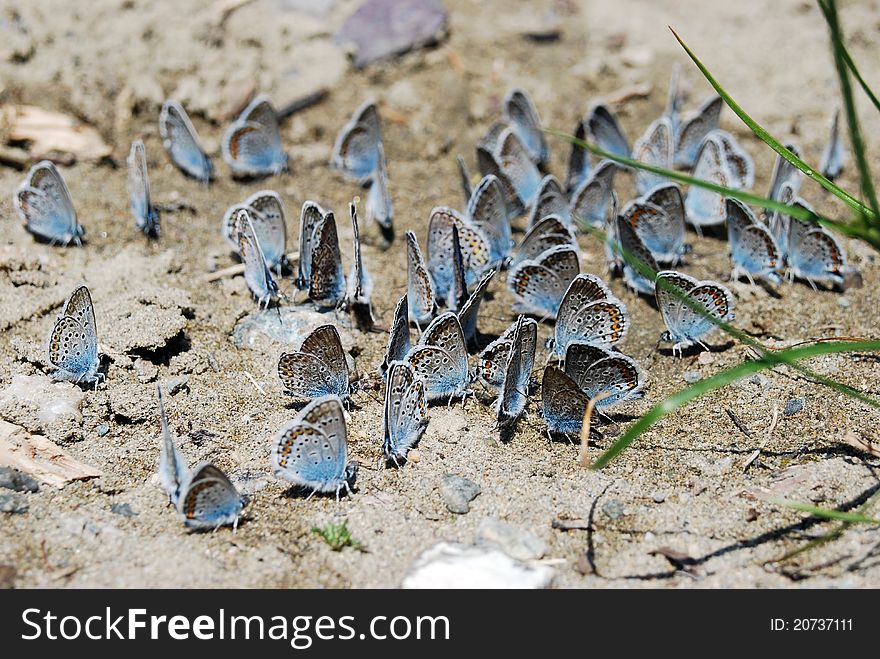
[
  {"x": 487, "y": 210},
  {"x": 539, "y": 285},
  {"x": 310, "y": 217},
  {"x": 563, "y": 402},
  {"x": 518, "y": 370},
  {"x": 599, "y": 371},
  {"x": 182, "y": 143},
  {"x": 252, "y": 144},
  {"x": 356, "y": 151},
  {"x": 209, "y": 499},
  {"x": 406, "y": 411},
  {"x": 519, "y": 111},
  {"x": 399, "y": 342},
  {"x": 379, "y": 205},
  {"x": 327, "y": 282},
  {"x": 653, "y": 148},
  {"x": 549, "y": 232},
  {"x": 256, "y": 272},
  {"x": 306, "y": 376},
  {"x": 269, "y": 225},
  {"x": 325, "y": 344},
  {"x": 421, "y": 299},
  {"x": 467, "y": 316},
  {"x": 833, "y": 156},
  {"x": 605, "y": 131},
  {"x": 694, "y": 129},
  {"x": 579, "y": 164},
  {"x": 44, "y": 203},
  {"x": 704, "y": 207},
  {"x": 549, "y": 200},
  {"x": 172, "y": 466},
  {"x": 145, "y": 216},
  {"x": 73, "y": 350},
  {"x": 515, "y": 162},
  {"x": 591, "y": 200}
]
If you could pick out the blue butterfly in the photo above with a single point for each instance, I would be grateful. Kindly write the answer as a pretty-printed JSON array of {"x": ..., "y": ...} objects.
[
  {"x": 266, "y": 211},
  {"x": 740, "y": 166},
  {"x": 597, "y": 371},
  {"x": 468, "y": 313},
  {"x": 490, "y": 164},
  {"x": 653, "y": 148},
  {"x": 172, "y": 466},
  {"x": 399, "y": 341},
  {"x": 318, "y": 368},
  {"x": 549, "y": 232},
  {"x": 814, "y": 254},
  {"x": 605, "y": 131},
  {"x": 704, "y": 207},
  {"x": 777, "y": 221},
  {"x": 689, "y": 134},
  {"x": 475, "y": 251},
  {"x": 379, "y": 206},
  {"x": 833, "y": 156},
  {"x": 73, "y": 341},
  {"x": 146, "y": 217},
  {"x": 514, "y": 392},
  {"x": 406, "y": 411},
  {"x": 487, "y": 210},
  {"x": 44, "y": 203},
  {"x": 753, "y": 250},
  {"x": 514, "y": 160},
  {"x": 326, "y": 276},
  {"x": 181, "y": 141},
  {"x": 674, "y": 99},
  {"x": 589, "y": 313},
  {"x": 311, "y": 216},
  {"x": 658, "y": 220},
  {"x": 589, "y": 202},
  {"x": 492, "y": 361},
  {"x": 440, "y": 359},
  {"x": 208, "y": 499},
  {"x": 311, "y": 450},
  {"x": 358, "y": 149},
  {"x": 360, "y": 284},
  {"x": 579, "y": 163},
  {"x": 685, "y": 326},
  {"x": 421, "y": 298},
  {"x": 634, "y": 249},
  {"x": 252, "y": 144},
  {"x": 563, "y": 401},
  {"x": 539, "y": 284},
  {"x": 785, "y": 174},
  {"x": 256, "y": 271},
  {"x": 519, "y": 112},
  {"x": 464, "y": 176}
]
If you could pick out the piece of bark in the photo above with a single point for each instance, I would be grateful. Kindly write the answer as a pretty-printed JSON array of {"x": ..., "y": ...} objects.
[{"x": 41, "y": 458}]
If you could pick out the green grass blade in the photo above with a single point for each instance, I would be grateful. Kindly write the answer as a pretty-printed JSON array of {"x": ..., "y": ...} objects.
[
  {"x": 768, "y": 359},
  {"x": 826, "y": 513},
  {"x": 774, "y": 144},
  {"x": 855, "y": 131}
]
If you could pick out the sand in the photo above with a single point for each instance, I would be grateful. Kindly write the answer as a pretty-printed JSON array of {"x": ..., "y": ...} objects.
[{"x": 680, "y": 490}]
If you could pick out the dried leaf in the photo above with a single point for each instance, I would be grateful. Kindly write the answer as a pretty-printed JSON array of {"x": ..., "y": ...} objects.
[
  {"x": 39, "y": 457},
  {"x": 45, "y": 132}
]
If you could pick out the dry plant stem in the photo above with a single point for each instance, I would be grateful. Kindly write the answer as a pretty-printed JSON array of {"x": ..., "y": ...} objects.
[
  {"x": 585, "y": 426},
  {"x": 767, "y": 436},
  {"x": 238, "y": 269}
]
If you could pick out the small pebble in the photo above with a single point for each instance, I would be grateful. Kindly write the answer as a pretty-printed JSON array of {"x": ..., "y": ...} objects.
[
  {"x": 613, "y": 508},
  {"x": 793, "y": 406},
  {"x": 174, "y": 385},
  {"x": 514, "y": 541},
  {"x": 692, "y": 376},
  {"x": 706, "y": 358},
  {"x": 122, "y": 509},
  {"x": 843, "y": 302},
  {"x": 458, "y": 492},
  {"x": 658, "y": 497},
  {"x": 146, "y": 371},
  {"x": 10, "y": 503},
  {"x": 13, "y": 479},
  {"x": 414, "y": 456},
  {"x": 102, "y": 429}
]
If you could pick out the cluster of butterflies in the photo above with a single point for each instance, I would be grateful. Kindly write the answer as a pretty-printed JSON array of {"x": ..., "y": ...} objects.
[{"x": 465, "y": 250}]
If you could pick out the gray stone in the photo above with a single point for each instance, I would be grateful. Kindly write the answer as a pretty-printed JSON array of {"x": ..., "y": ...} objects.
[
  {"x": 263, "y": 330},
  {"x": 102, "y": 430},
  {"x": 379, "y": 29},
  {"x": 514, "y": 541},
  {"x": 122, "y": 509},
  {"x": 793, "y": 406},
  {"x": 692, "y": 376},
  {"x": 11, "y": 503},
  {"x": 175, "y": 385},
  {"x": 458, "y": 492},
  {"x": 658, "y": 497},
  {"x": 613, "y": 509},
  {"x": 13, "y": 479}
]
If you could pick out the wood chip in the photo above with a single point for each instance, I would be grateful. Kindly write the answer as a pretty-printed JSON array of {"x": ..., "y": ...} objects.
[
  {"x": 863, "y": 444},
  {"x": 574, "y": 524},
  {"x": 41, "y": 458},
  {"x": 45, "y": 132}
]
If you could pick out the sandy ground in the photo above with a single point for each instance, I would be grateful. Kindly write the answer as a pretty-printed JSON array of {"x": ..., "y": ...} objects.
[{"x": 680, "y": 487}]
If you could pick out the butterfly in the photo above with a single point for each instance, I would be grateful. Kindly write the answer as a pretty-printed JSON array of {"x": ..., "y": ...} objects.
[
  {"x": 310, "y": 217},
  {"x": 379, "y": 206},
  {"x": 406, "y": 411},
  {"x": 318, "y": 368},
  {"x": 399, "y": 342},
  {"x": 360, "y": 284},
  {"x": 517, "y": 165},
  {"x": 519, "y": 112},
  {"x": 421, "y": 298},
  {"x": 492, "y": 360},
  {"x": 475, "y": 251},
  {"x": 785, "y": 174},
  {"x": 488, "y": 164},
  {"x": 205, "y": 498},
  {"x": 753, "y": 250},
  {"x": 311, "y": 450},
  {"x": 181, "y": 141},
  {"x": 685, "y": 326},
  {"x": 256, "y": 271},
  {"x": 252, "y": 144},
  {"x": 813, "y": 253},
  {"x": 358, "y": 149},
  {"x": 589, "y": 202},
  {"x": 487, "y": 210},
  {"x": 589, "y": 313},
  {"x": 146, "y": 217},
  {"x": 597, "y": 370},
  {"x": 44, "y": 203},
  {"x": 674, "y": 98},
  {"x": 326, "y": 283},
  {"x": 579, "y": 163},
  {"x": 468, "y": 313},
  {"x": 740, "y": 166},
  {"x": 465, "y": 179},
  {"x": 547, "y": 233},
  {"x": 658, "y": 220},
  {"x": 689, "y": 134},
  {"x": 540, "y": 283},
  {"x": 73, "y": 341},
  {"x": 563, "y": 401},
  {"x": 440, "y": 359},
  {"x": 779, "y": 221},
  {"x": 605, "y": 131},
  {"x": 172, "y": 466},
  {"x": 513, "y": 396},
  {"x": 833, "y": 155},
  {"x": 634, "y": 250},
  {"x": 653, "y": 148},
  {"x": 266, "y": 211},
  {"x": 704, "y": 207}
]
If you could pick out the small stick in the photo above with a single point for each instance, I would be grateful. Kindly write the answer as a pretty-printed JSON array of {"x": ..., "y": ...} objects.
[
  {"x": 769, "y": 434},
  {"x": 300, "y": 104},
  {"x": 585, "y": 426},
  {"x": 238, "y": 269},
  {"x": 738, "y": 422},
  {"x": 255, "y": 383},
  {"x": 628, "y": 93}
]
